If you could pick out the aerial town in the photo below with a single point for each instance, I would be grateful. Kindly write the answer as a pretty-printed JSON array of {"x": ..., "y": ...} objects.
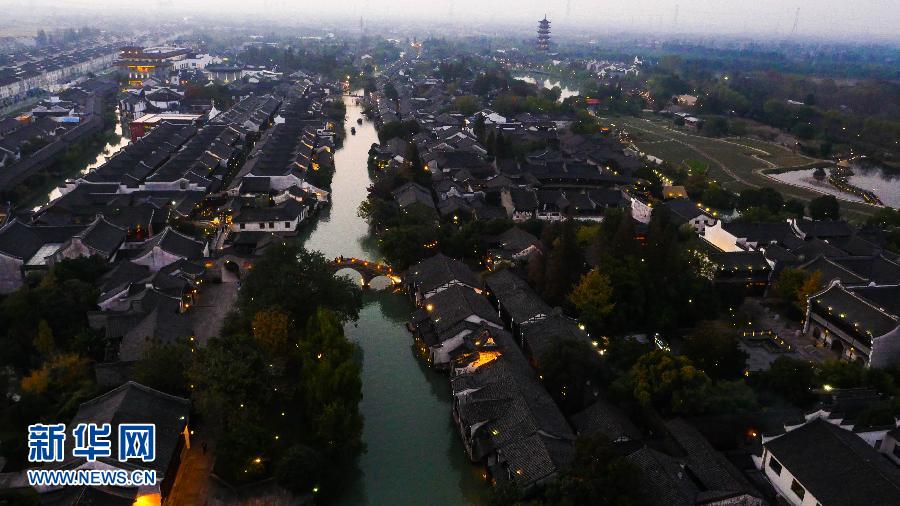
[{"x": 252, "y": 257}]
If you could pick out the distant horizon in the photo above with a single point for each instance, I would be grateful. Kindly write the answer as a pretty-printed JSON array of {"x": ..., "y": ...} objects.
[{"x": 822, "y": 20}]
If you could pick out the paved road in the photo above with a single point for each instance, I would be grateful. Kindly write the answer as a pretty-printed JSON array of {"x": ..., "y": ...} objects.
[
  {"x": 214, "y": 301},
  {"x": 193, "y": 482}
]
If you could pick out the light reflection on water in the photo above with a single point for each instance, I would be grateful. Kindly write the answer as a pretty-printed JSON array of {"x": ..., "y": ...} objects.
[
  {"x": 566, "y": 92},
  {"x": 415, "y": 455}
]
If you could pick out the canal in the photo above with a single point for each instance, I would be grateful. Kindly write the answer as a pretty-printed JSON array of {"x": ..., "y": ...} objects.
[
  {"x": 414, "y": 454},
  {"x": 113, "y": 146}
]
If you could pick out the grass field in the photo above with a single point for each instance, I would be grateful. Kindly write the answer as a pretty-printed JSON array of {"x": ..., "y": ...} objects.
[{"x": 735, "y": 162}]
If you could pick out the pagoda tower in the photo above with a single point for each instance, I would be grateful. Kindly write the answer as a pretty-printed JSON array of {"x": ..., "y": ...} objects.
[{"x": 543, "y": 34}]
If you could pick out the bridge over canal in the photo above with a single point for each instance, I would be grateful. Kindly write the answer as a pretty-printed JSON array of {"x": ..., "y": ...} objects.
[{"x": 367, "y": 269}]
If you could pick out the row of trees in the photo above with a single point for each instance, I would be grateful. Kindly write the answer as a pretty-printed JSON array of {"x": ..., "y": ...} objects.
[
  {"x": 754, "y": 204},
  {"x": 48, "y": 348},
  {"x": 280, "y": 387}
]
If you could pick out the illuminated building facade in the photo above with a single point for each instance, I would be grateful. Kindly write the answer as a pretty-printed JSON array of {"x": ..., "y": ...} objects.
[{"x": 144, "y": 63}]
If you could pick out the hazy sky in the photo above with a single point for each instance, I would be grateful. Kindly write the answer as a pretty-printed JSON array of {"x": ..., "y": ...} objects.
[{"x": 822, "y": 18}]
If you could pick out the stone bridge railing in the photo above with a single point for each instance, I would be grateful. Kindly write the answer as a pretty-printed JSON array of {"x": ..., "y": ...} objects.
[{"x": 367, "y": 269}]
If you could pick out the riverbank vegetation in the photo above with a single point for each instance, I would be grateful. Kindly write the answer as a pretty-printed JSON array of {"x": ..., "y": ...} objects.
[
  {"x": 280, "y": 387},
  {"x": 65, "y": 164}
]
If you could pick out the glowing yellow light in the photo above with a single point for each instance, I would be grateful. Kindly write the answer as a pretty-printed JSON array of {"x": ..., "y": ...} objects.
[{"x": 153, "y": 499}]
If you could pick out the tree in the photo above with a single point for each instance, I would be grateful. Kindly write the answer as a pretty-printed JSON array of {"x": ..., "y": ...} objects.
[
  {"x": 825, "y": 207},
  {"x": 715, "y": 127},
  {"x": 536, "y": 271},
  {"x": 667, "y": 382},
  {"x": 331, "y": 386},
  {"x": 479, "y": 129},
  {"x": 564, "y": 264},
  {"x": 795, "y": 286},
  {"x": 271, "y": 329},
  {"x": 791, "y": 378},
  {"x": 571, "y": 371},
  {"x": 300, "y": 469},
  {"x": 765, "y": 197},
  {"x": 289, "y": 277},
  {"x": 811, "y": 285},
  {"x": 592, "y": 297},
  {"x": 714, "y": 349},
  {"x": 44, "y": 342},
  {"x": 390, "y": 92},
  {"x": 725, "y": 397},
  {"x": 165, "y": 367},
  {"x": 795, "y": 207},
  {"x": 599, "y": 474},
  {"x": 466, "y": 104},
  {"x": 230, "y": 382},
  {"x": 59, "y": 377}
]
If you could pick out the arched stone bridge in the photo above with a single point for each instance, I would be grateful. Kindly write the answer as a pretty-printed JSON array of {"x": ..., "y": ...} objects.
[{"x": 367, "y": 269}]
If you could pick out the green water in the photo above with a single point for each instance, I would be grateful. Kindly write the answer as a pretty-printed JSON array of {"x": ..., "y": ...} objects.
[{"x": 414, "y": 455}]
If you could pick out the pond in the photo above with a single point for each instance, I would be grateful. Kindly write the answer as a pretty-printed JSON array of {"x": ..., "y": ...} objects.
[
  {"x": 547, "y": 83},
  {"x": 886, "y": 186}
]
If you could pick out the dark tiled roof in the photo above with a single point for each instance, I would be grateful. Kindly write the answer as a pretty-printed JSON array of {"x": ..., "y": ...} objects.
[
  {"x": 713, "y": 470},
  {"x": 517, "y": 419},
  {"x": 684, "y": 209},
  {"x": 174, "y": 242},
  {"x": 607, "y": 419},
  {"x": 836, "y": 466},
  {"x": 878, "y": 268},
  {"x": 103, "y": 236},
  {"x": 289, "y": 210},
  {"x": 516, "y": 240},
  {"x": 702, "y": 475},
  {"x": 22, "y": 241},
  {"x": 764, "y": 233},
  {"x": 454, "y": 305},
  {"x": 824, "y": 228},
  {"x": 122, "y": 275},
  {"x": 136, "y": 403},
  {"x": 854, "y": 311},
  {"x": 254, "y": 184},
  {"x": 515, "y": 296},
  {"x": 886, "y": 298},
  {"x": 439, "y": 270},
  {"x": 523, "y": 200},
  {"x": 831, "y": 271},
  {"x": 89, "y": 496},
  {"x": 542, "y": 335},
  {"x": 741, "y": 260},
  {"x": 817, "y": 247},
  {"x": 413, "y": 193}
]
